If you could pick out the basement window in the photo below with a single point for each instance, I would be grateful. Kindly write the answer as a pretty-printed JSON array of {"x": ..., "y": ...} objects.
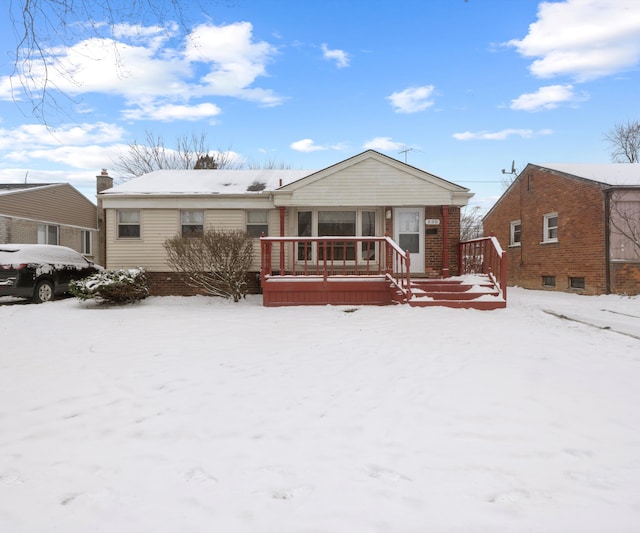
[
  {"x": 548, "y": 281},
  {"x": 576, "y": 283}
]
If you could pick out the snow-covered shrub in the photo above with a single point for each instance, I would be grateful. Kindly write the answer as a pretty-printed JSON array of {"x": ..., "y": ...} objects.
[
  {"x": 112, "y": 286},
  {"x": 216, "y": 263}
]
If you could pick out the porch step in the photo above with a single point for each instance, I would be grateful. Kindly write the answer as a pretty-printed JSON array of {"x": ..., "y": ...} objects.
[{"x": 477, "y": 293}]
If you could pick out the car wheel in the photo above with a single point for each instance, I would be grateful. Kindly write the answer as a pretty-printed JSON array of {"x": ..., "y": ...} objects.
[{"x": 43, "y": 292}]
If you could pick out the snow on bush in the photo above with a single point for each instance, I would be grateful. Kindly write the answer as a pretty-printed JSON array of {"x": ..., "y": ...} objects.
[{"x": 112, "y": 286}]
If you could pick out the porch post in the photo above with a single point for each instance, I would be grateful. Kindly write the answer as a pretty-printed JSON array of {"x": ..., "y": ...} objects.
[
  {"x": 445, "y": 241},
  {"x": 282, "y": 269}
]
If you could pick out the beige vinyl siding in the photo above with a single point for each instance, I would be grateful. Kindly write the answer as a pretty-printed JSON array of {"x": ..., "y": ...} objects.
[
  {"x": 58, "y": 204},
  {"x": 156, "y": 226},
  {"x": 368, "y": 183}
]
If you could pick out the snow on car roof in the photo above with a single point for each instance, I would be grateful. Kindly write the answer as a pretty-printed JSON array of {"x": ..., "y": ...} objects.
[{"x": 39, "y": 253}]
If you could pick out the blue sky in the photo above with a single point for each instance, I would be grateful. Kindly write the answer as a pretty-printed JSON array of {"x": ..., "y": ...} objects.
[{"x": 459, "y": 89}]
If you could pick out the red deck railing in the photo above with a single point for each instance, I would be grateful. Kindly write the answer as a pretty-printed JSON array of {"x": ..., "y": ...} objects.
[
  {"x": 336, "y": 256},
  {"x": 484, "y": 256}
]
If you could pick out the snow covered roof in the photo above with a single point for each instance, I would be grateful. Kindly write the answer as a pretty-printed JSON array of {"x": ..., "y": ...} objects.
[
  {"x": 223, "y": 181},
  {"x": 626, "y": 174}
]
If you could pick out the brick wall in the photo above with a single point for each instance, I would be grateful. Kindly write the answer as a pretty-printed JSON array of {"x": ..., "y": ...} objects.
[
  {"x": 434, "y": 241},
  {"x": 625, "y": 278},
  {"x": 174, "y": 284},
  {"x": 580, "y": 250}
]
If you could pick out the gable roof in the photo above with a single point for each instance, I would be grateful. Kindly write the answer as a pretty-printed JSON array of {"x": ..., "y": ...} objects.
[
  {"x": 385, "y": 159},
  {"x": 621, "y": 174},
  {"x": 369, "y": 178},
  {"x": 56, "y": 203},
  {"x": 205, "y": 182}
]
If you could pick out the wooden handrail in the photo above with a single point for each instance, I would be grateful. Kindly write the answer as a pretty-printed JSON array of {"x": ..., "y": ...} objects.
[
  {"x": 484, "y": 256},
  {"x": 337, "y": 256}
]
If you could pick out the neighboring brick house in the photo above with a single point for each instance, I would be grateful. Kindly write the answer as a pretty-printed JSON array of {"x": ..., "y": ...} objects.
[
  {"x": 571, "y": 227},
  {"x": 49, "y": 213}
]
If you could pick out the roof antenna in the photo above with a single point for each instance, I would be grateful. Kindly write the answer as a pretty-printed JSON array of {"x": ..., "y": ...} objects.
[
  {"x": 513, "y": 169},
  {"x": 405, "y": 153}
]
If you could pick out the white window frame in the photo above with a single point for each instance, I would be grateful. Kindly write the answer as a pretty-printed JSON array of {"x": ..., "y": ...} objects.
[
  {"x": 512, "y": 233},
  {"x": 257, "y": 218},
  {"x": 359, "y": 211},
  {"x": 119, "y": 223},
  {"x": 44, "y": 234},
  {"x": 86, "y": 242},
  {"x": 547, "y": 228},
  {"x": 191, "y": 224}
]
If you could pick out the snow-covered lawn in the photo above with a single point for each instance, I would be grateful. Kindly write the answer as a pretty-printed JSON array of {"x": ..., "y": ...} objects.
[{"x": 198, "y": 415}]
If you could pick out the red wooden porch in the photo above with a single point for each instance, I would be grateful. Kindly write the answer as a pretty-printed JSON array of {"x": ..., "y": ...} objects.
[{"x": 376, "y": 271}]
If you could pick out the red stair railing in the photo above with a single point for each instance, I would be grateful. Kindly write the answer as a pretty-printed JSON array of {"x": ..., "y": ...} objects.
[{"x": 484, "y": 256}]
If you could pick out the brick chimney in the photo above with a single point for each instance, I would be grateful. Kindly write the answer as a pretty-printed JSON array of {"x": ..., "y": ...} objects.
[{"x": 104, "y": 181}]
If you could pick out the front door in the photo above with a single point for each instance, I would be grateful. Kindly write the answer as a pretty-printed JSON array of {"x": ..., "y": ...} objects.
[{"x": 408, "y": 232}]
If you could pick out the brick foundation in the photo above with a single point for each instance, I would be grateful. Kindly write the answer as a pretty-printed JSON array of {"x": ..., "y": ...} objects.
[{"x": 175, "y": 284}]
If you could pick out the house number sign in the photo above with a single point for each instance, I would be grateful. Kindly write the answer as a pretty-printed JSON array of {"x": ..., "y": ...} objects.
[{"x": 432, "y": 221}]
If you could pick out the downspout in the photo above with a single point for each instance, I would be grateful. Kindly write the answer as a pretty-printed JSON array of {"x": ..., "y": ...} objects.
[
  {"x": 445, "y": 241},
  {"x": 607, "y": 243}
]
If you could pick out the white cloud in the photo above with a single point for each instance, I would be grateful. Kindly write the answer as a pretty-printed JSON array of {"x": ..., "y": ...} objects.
[
  {"x": 138, "y": 65},
  {"x": 412, "y": 100},
  {"x": 549, "y": 97},
  {"x": 306, "y": 145},
  {"x": 82, "y": 157},
  {"x": 30, "y": 136},
  {"x": 171, "y": 112},
  {"x": 340, "y": 56},
  {"x": 500, "y": 135},
  {"x": 382, "y": 143},
  {"x": 584, "y": 39}
]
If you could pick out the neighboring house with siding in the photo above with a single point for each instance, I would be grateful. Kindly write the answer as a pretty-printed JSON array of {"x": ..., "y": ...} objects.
[
  {"x": 48, "y": 213},
  {"x": 571, "y": 227},
  {"x": 369, "y": 194}
]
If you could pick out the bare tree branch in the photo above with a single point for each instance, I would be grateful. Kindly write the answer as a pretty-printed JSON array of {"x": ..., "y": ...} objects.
[
  {"x": 624, "y": 141},
  {"x": 155, "y": 155},
  {"x": 42, "y": 27}
]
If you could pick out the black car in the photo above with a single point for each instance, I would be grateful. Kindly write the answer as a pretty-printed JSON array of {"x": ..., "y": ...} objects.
[{"x": 40, "y": 271}]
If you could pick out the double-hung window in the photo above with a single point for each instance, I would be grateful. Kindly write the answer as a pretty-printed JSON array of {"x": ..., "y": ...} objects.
[
  {"x": 85, "y": 242},
  {"x": 515, "y": 233},
  {"x": 258, "y": 223},
  {"x": 47, "y": 234},
  {"x": 550, "y": 228},
  {"x": 129, "y": 224},
  {"x": 191, "y": 223}
]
